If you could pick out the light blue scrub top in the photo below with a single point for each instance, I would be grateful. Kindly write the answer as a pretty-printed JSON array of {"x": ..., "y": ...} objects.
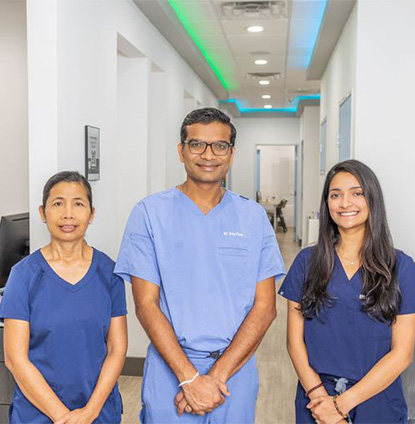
[
  {"x": 69, "y": 327},
  {"x": 207, "y": 266}
]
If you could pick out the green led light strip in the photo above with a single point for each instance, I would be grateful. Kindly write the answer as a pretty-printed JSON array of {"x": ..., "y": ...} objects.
[{"x": 182, "y": 14}]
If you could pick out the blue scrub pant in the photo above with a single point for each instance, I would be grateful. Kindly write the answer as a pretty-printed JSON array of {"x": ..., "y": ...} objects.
[
  {"x": 388, "y": 407},
  {"x": 160, "y": 388}
]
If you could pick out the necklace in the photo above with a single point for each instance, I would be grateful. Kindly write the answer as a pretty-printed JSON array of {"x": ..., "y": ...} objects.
[
  {"x": 204, "y": 208},
  {"x": 351, "y": 262}
]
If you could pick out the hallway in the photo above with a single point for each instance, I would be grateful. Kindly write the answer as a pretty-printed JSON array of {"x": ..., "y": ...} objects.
[{"x": 277, "y": 377}]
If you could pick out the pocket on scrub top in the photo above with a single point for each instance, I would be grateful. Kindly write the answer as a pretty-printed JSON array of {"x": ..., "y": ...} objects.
[
  {"x": 236, "y": 247},
  {"x": 235, "y": 261}
]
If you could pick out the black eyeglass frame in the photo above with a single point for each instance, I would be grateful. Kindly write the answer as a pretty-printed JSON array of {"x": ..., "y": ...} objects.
[{"x": 230, "y": 145}]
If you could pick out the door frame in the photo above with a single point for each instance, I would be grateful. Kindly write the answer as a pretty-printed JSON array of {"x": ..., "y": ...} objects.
[{"x": 257, "y": 184}]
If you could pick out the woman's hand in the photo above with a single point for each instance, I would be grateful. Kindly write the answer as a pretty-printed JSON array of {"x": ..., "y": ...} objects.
[
  {"x": 323, "y": 410},
  {"x": 78, "y": 416}
]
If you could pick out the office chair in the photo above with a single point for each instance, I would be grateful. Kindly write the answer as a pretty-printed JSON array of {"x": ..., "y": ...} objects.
[{"x": 280, "y": 216}]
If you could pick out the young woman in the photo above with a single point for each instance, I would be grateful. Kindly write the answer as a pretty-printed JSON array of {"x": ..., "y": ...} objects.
[
  {"x": 351, "y": 308},
  {"x": 64, "y": 310}
]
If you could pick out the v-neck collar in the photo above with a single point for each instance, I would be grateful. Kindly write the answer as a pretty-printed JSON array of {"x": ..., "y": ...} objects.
[
  {"x": 192, "y": 205},
  {"x": 349, "y": 280},
  {"x": 59, "y": 280}
]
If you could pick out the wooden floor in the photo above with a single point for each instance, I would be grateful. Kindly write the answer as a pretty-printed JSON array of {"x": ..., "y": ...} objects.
[{"x": 276, "y": 375}]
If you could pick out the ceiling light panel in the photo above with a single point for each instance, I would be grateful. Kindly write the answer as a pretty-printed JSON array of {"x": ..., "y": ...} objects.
[
  {"x": 278, "y": 95},
  {"x": 255, "y": 29},
  {"x": 238, "y": 28},
  {"x": 247, "y": 65},
  {"x": 253, "y": 85}
]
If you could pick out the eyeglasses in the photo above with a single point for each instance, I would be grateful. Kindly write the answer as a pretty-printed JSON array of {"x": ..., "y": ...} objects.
[{"x": 219, "y": 148}]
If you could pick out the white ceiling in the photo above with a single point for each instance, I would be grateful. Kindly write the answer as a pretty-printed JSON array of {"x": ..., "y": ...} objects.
[{"x": 287, "y": 43}]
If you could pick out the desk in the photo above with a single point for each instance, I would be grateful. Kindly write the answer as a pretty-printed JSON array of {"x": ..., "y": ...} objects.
[
  {"x": 271, "y": 207},
  {"x": 6, "y": 384},
  {"x": 312, "y": 232}
]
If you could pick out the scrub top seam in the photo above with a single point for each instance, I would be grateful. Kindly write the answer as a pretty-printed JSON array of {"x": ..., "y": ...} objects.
[
  {"x": 19, "y": 318},
  {"x": 276, "y": 274}
]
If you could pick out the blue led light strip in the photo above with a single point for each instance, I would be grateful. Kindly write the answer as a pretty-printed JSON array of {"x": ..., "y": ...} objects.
[
  {"x": 322, "y": 12},
  {"x": 292, "y": 109}
]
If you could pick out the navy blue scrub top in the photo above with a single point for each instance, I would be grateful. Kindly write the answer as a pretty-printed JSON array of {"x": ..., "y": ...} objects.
[
  {"x": 343, "y": 340},
  {"x": 207, "y": 266},
  {"x": 68, "y": 330}
]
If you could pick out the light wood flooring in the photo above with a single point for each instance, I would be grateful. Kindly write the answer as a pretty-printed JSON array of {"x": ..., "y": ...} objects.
[{"x": 276, "y": 375}]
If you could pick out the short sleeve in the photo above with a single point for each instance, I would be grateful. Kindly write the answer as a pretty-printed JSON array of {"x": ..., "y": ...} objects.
[
  {"x": 137, "y": 256},
  {"x": 271, "y": 263},
  {"x": 292, "y": 286},
  {"x": 119, "y": 305},
  {"x": 15, "y": 301},
  {"x": 406, "y": 278}
]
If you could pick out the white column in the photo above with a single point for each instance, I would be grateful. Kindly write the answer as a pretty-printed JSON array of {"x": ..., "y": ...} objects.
[
  {"x": 384, "y": 107},
  {"x": 43, "y": 110}
]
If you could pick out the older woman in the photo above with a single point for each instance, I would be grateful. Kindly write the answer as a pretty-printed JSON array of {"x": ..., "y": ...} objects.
[
  {"x": 64, "y": 313},
  {"x": 351, "y": 308}
]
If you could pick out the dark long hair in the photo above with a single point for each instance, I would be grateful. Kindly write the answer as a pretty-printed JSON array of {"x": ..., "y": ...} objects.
[{"x": 381, "y": 291}]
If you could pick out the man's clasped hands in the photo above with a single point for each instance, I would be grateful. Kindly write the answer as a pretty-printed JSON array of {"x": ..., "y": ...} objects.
[{"x": 202, "y": 395}]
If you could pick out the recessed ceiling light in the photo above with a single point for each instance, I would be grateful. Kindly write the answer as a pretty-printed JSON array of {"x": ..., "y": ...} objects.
[
  {"x": 264, "y": 82},
  {"x": 266, "y": 96},
  {"x": 268, "y": 107},
  {"x": 255, "y": 28},
  {"x": 261, "y": 62}
]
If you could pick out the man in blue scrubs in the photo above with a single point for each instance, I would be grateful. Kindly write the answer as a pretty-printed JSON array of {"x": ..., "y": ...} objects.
[{"x": 203, "y": 262}]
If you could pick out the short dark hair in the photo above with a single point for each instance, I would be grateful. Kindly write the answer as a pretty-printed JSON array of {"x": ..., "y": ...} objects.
[
  {"x": 206, "y": 116},
  {"x": 67, "y": 177}
]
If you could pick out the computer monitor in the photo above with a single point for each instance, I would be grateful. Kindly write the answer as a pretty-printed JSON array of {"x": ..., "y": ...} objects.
[{"x": 14, "y": 242}]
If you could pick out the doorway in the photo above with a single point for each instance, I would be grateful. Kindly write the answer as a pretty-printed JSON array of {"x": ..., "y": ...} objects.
[{"x": 276, "y": 177}]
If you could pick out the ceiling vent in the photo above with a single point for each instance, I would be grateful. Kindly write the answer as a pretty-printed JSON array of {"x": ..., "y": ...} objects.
[
  {"x": 263, "y": 75},
  {"x": 276, "y": 9}
]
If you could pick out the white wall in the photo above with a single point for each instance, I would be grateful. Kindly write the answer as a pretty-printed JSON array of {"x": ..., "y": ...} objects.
[
  {"x": 253, "y": 132},
  {"x": 77, "y": 78},
  {"x": 366, "y": 57},
  {"x": 277, "y": 177},
  {"x": 384, "y": 110},
  {"x": 338, "y": 81},
  {"x": 310, "y": 133},
  {"x": 14, "y": 169}
]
